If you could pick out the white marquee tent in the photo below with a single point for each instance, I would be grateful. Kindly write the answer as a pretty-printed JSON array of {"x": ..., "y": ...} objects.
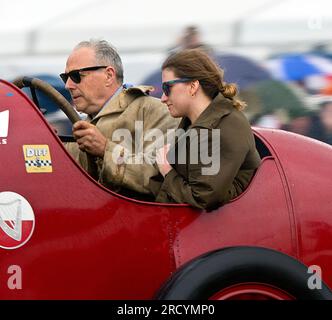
[
  {"x": 52, "y": 26},
  {"x": 38, "y": 28}
]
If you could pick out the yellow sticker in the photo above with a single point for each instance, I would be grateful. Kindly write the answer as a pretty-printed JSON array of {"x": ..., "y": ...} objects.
[{"x": 37, "y": 158}]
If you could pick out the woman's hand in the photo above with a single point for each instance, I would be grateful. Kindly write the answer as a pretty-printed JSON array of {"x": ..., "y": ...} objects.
[{"x": 163, "y": 165}]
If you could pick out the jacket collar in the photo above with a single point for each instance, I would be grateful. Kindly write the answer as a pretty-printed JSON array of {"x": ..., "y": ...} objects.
[
  {"x": 210, "y": 117},
  {"x": 120, "y": 102}
]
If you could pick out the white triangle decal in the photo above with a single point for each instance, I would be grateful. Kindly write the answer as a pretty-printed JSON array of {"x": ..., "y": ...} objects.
[{"x": 11, "y": 219}]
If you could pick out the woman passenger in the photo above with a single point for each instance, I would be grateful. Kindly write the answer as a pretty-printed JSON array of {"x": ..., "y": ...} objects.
[{"x": 213, "y": 156}]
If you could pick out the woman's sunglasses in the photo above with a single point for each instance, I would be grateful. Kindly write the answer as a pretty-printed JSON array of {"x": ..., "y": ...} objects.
[
  {"x": 166, "y": 86},
  {"x": 75, "y": 75}
]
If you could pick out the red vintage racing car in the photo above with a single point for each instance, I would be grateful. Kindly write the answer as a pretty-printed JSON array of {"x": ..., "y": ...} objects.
[{"x": 71, "y": 238}]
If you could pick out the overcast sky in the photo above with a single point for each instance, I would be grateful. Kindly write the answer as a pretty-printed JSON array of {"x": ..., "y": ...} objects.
[
  {"x": 24, "y": 15},
  {"x": 53, "y": 27},
  {"x": 56, "y": 25}
]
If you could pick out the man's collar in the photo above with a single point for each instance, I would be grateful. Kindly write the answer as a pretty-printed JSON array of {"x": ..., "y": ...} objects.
[
  {"x": 124, "y": 95},
  {"x": 117, "y": 92}
]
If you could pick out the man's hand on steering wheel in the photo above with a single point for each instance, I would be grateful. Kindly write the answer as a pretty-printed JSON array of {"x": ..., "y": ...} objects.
[{"x": 89, "y": 138}]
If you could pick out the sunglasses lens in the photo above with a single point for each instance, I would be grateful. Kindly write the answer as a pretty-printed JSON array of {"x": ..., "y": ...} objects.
[
  {"x": 166, "y": 89},
  {"x": 64, "y": 77},
  {"x": 75, "y": 76}
]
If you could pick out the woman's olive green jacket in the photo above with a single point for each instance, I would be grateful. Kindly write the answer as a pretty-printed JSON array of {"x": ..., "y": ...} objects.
[{"x": 212, "y": 159}]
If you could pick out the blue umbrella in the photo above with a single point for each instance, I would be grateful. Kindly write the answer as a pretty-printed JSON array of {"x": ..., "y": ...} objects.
[
  {"x": 295, "y": 67},
  {"x": 154, "y": 79},
  {"x": 241, "y": 70}
]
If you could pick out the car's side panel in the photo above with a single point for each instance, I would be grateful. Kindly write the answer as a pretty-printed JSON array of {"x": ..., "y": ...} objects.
[
  {"x": 259, "y": 217},
  {"x": 307, "y": 164}
]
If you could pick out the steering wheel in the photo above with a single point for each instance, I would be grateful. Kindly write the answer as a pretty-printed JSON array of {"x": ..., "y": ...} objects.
[
  {"x": 64, "y": 105},
  {"x": 57, "y": 97}
]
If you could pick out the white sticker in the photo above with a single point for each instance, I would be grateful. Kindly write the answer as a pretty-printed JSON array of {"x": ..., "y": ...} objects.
[
  {"x": 4, "y": 122},
  {"x": 17, "y": 220}
]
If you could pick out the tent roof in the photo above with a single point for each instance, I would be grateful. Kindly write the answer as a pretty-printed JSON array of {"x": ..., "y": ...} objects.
[{"x": 41, "y": 26}]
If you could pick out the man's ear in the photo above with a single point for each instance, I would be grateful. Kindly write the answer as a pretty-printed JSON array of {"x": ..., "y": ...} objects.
[{"x": 110, "y": 75}]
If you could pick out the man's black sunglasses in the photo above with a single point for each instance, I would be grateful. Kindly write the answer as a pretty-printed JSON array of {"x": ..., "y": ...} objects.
[
  {"x": 166, "y": 86},
  {"x": 75, "y": 75}
]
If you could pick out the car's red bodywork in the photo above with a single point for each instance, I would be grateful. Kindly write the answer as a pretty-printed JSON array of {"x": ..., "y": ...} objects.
[{"x": 91, "y": 243}]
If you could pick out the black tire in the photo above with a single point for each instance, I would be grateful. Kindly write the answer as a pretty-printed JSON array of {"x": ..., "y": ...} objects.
[{"x": 210, "y": 273}]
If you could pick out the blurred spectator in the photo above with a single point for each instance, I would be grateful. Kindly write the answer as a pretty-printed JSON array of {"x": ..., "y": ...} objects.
[
  {"x": 321, "y": 127},
  {"x": 299, "y": 123},
  {"x": 191, "y": 39}
]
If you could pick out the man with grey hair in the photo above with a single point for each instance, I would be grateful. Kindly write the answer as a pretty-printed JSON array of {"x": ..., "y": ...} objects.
[{"x": 94, "y": 78}]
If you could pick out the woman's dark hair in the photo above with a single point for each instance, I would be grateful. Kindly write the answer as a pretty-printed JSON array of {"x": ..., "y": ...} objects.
[{"x": 197, "y": 65}]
